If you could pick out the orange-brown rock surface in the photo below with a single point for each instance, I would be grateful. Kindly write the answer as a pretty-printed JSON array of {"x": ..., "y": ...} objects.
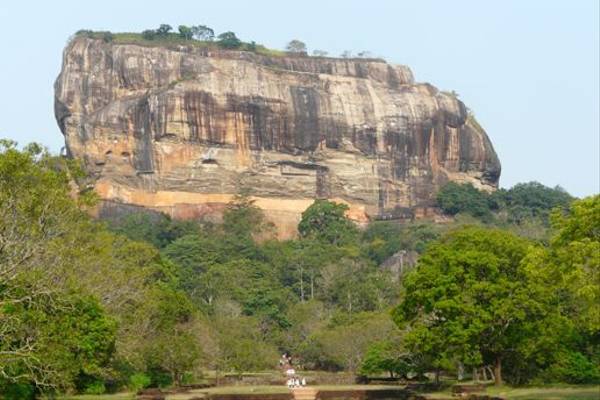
[{"x": 183, "y": 129}]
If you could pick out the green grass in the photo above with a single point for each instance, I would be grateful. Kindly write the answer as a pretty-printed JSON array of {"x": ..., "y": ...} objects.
[
  {"x": 548, "y": 393},
  {"x": 581, "y": 392},
  {"x": 116, "y": 396},
  {"x": 172, "y": 39}
]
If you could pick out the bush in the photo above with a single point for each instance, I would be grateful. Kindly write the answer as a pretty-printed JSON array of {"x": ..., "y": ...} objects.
[
  {"x": 96, "y": 387},
  {"x": 573, "y": 368},
  {"x": 149, "y": 34},
  {"x": 139, "y": 381},
  {"x": 456, "y": 198},
  {"x": 228, "y": 40},
  {"x": 18, "y": 391},
  {"x": 107, "y": 37},
  {"x": 159, "y": 378},
  {"x": 85, "y": 32}
]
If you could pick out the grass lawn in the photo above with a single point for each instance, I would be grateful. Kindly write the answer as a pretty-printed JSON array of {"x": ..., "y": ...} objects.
[
  {"x": 116, "y": 396},
  {"x": 548, "y": 393},
  {"x": 583, "y": 392}
]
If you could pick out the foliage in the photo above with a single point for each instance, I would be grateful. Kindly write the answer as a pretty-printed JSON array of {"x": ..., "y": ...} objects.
[
  {"x": 296, "y": 46},
  {"x": 185, "y": 32},
  {"x": 228, "y": 40},
  {"x": 325, "y": 221},
  {"x": 386, "y": 356},
  {"x": 454, "y": 198},
  {"x": 156, "y": 229},
  {"x": 70, "y": 291},
  {"x": 164, "y": 29},
  {"x": 203, "y": 32},
  {"x": 471, "y": 298},
  {"x": 382, "y": 239},
  {"x": 139, "y": 381},
  {"x": 575, "y": 250},
  {"x": 524, "y": 203},
  {"x": 343, "y": 345},
  {"x": 575, "y": 368},
  {"x": 149, "y": 34},
  {"x": 532, "y": 200},
  {"x": 144, "y": 300}
]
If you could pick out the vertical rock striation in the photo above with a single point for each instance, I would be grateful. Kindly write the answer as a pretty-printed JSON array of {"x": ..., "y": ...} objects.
[{"x": 183, "y": 129}]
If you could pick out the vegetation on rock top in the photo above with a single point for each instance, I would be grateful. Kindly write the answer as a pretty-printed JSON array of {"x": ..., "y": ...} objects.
[{"x": 202, "y": 36}]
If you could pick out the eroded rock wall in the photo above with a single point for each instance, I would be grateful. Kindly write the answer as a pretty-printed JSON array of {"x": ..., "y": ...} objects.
[{"x": 183, "y": 129}]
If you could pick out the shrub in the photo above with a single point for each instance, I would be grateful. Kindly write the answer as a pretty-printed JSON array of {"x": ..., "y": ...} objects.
[
  {"x": 107, "y": 37},
  {"x": 296, "y": 46},
  {"x": 203, "y": 32},
  {"x": 455, "y": 198},
  {"x": 18, "y": 391},
  {"x": 85, "y": 32},
  {"x": 228, "y": 40},
  {"x": 164, "y": 29},
  {"x": 149, "y": 34},
  {"x": 96, "y": 387},
  {"x": 139, "y": 381},
  {"x": 573, "y": 368},
  {"x": 185, "y": 32}
]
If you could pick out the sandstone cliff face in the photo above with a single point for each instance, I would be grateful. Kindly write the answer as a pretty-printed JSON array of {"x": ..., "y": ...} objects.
[{"x": 183, "y": 129}]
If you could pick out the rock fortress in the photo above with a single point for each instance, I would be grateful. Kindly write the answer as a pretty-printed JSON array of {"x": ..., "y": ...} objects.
[{"x": 183, "y": 129}]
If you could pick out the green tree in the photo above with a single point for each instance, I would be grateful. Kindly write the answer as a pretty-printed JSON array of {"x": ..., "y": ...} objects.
[
  {"x": 163, "y": 30},
  {"x": 203, "y": 32},
  {"x": 533, "y": 200},
  {"x": 386, "y": 356},
  {"x": 570, "y": 269},
  {"x": 473, "y": 294},
  {"x": 149, "y": 34},
  {"x": 575, "y": 250},
  {"x": 185, "y": 32},
  {"x": 345, "y": 344},
  {"x": 456, "y": 198},
  {"x": 228, "y": 40},
  {"x": 326, "y": 221},
  {"x": 36, "y": 213},
  {"x": 241, "y": 346},
  {"x": 296, "y": 46},
  {"x": 55, "y": 344},
  {"x": 156, "y": 229},
  {"x": 74, "y": 297}
]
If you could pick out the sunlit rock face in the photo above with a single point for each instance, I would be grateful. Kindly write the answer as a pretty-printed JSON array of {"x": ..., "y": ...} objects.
[{"x": 183, "y": 129}]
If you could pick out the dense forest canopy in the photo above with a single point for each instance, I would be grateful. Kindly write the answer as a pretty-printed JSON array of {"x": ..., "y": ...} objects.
[{"x": 92, "y": 306}]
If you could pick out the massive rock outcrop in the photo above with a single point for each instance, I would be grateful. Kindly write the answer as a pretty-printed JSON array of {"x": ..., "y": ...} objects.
[{"x": 183, "y": 129}]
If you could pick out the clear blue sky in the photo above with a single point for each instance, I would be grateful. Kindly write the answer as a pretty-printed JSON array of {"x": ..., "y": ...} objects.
[{"x": 528, "y": 69}]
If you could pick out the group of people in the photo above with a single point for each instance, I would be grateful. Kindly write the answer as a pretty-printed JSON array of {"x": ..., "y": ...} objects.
[{"x": 293, "y": 380}]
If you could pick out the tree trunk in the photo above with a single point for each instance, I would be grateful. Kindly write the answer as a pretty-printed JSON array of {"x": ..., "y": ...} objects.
[
  {"x": 475, "y": 375},
  {"x": 498, "y": 371},
  {"x": 460, "y": 372},
  {"x": 437, "y": 376},
  {"x": 349, "y": 302},
  {"x": 483, "y": 372},
  {"x": 312, "y": 285},
  {"x": 489, "y": 370},
  {"x": 302, "y": 284}
]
